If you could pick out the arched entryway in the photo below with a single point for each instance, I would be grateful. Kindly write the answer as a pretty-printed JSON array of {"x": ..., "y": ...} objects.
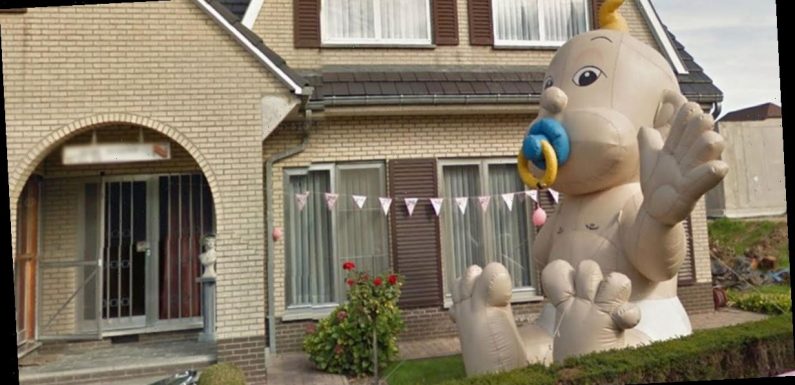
[{"x": 121, "y": 210}]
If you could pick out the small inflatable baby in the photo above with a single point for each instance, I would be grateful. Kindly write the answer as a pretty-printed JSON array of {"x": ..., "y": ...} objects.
[{"x": 633, "y": 158}]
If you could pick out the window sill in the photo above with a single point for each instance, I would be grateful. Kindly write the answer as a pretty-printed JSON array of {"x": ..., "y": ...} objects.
[
  {"x": 518, "y": 296},
  {"x": 378, "y": 45},
  {"x": 315, "y": 313},
  {"x": 520, "y": 47}
]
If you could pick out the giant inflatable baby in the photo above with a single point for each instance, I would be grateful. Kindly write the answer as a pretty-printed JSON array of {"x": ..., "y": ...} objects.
[{"x": 632, "y": 157}]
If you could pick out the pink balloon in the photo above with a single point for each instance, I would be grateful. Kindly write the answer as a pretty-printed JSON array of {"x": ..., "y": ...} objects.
[
  {"x": 277, "y": 234},
  {"x": 539, "y": 217}
]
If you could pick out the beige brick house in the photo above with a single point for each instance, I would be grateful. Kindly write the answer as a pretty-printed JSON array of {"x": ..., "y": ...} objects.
[{"x": 257, "y": 101}]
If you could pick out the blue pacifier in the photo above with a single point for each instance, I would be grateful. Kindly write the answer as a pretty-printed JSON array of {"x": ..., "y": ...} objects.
[{"x": 553, "y": 132}]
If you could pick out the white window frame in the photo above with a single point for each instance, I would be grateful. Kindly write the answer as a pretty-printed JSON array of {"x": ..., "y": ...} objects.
[
  {"x": 541, "y": 43},
  {"x": 520, "y": 294},
  {"x": 378, "y": 40},
  {"x": 321, "y": 310}
]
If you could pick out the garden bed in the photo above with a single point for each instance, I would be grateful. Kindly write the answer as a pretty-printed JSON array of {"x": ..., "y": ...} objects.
[{"x": 756, "y": 349}]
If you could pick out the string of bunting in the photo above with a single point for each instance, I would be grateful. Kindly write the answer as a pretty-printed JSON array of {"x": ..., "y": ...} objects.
[{"x": 411, "y": 203}]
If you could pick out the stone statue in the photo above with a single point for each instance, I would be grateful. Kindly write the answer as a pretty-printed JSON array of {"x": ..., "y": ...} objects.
[
  {"x": 637, "y": 159},
  {"x": 207, "y": 258}
]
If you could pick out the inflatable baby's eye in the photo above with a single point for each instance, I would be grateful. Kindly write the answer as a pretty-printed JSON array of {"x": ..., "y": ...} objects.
[
  {"x": 548, "y": 82},
  {"x": 586, "y": 76}
]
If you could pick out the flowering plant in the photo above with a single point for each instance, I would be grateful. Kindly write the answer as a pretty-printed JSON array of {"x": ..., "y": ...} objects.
[{"x": 343, "y": 341}]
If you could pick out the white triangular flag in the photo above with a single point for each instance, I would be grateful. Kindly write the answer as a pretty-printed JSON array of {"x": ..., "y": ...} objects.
[
  {"x": 359, "y": 200},
  {"x": 533, "y": 194},
  {"x": 300, "y": 199},
  {"x": 508, "y": 198},
  {"x": 555, "y": 195},
  {"x": 484, "y": 202},
  {"x": 331, "y": 200},
  {"x": 437, "y": 205},
  {"x": 410, "y": 203},
  {"x": 462, "y": 204},
  {"x": 385, "y": 202}
]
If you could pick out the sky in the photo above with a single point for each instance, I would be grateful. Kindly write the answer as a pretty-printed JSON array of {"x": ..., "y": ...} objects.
[{"x": 735, "y": 41}]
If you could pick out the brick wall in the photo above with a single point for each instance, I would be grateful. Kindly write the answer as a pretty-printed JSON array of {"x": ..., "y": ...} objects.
[
  {"x": 166, "y": 66},
  {"x": 247, "y": 353},
  {"x": 275, "y": 26},
  {"x": 697, "y": 298}
]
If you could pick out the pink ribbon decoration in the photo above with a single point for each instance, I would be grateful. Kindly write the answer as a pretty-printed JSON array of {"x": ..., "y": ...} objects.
[
  {"x": 484, "y": 202},
  {"x": 331, "y": 200},
  {"x": 300, "y": 200}
]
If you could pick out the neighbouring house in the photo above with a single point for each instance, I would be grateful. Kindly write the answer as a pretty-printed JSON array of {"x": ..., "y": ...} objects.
[
  {"x": 755, "y": 155},
  {"x": 230, "y": 111}
]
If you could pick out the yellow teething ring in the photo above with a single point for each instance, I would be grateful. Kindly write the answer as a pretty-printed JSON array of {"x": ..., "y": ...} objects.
[{"x": 550, "y": 174}]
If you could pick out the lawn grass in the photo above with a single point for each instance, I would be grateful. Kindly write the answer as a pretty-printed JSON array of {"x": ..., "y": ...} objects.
[
  {"x": 426, "y": 371},
  {"x": 737, "y": 236}
]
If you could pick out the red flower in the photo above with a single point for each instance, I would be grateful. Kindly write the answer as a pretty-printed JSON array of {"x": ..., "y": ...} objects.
[
  {"x": 392, "y": 279},
  {"x": 349, "y": 265},
  {"x": 377, "y": 281},
  {"x": 350, "y": 282}
]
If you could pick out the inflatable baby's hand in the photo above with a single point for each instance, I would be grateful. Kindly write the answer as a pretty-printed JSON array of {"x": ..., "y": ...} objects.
[
  {"x": 482, "y": 312},
  {"x": 592, "y": 310},
  {"x": 677, "y": 172}
]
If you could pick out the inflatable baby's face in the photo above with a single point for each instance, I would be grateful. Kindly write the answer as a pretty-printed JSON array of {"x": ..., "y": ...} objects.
[{"x": 603, "y": 86}]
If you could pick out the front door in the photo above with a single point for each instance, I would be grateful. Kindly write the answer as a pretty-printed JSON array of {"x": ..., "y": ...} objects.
[{"x": 126, "y": 252}]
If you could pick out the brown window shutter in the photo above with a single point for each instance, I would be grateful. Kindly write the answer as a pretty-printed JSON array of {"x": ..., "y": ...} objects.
[
  {"x": 445, "y": 22},
  {"x": 687, "y": 273},
  {"x": 595, "y": 5},
  {"x": 415, "y": 239},
  {"x": 480, "y": 26},
  {"x": 306, "y": 23}
]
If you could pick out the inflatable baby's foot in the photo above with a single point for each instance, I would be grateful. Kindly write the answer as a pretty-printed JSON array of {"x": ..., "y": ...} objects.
[
  {"x": 482, "y": 312},
  {"x": 592, "y": 310}
]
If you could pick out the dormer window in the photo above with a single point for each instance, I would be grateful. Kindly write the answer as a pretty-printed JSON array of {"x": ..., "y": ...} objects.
[
  {"x": 375, "y": 22},
  {"x": 519, "y": 23}
]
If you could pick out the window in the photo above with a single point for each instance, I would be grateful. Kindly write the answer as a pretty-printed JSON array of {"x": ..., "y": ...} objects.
[
  {"x": 499, "y": 234},
  {"x": 376, "y": 22},
  {"x": 319, "y": 240},
  {"x": 538, "y": 22}
]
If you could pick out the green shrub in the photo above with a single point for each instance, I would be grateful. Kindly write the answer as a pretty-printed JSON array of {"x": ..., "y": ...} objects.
[
  {"x": 343, "y": 342},
  {"x": 222, "y": 374},
  {"x": 755, "y": 349},
  {"x": 762, "y": 301}
]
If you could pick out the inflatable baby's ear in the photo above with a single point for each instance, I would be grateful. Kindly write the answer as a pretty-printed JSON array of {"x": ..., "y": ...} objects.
[
  {"x": 609, "y": 18},
  {"x": 670, "y": 101}
]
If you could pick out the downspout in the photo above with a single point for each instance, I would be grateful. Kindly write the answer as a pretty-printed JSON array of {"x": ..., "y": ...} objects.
[
  {"x": 716, "y": 110},
  {"x": 269, "y": 215}
]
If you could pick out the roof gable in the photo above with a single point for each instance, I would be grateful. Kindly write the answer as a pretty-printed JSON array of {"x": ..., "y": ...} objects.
[{"x": 761, "y": 112}]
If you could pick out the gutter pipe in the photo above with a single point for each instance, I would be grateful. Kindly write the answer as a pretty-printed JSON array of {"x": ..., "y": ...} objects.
[{"x": 269, "y": 217}]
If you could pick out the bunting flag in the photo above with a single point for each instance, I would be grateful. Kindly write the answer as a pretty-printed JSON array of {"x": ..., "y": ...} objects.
[
  {"x": 508, "y": 198},
  {"x": 462, "y": 204},
  {"x": 410, "y": 203},
  {"x": 555, "y": 195},
  {"x": 533, "y": 194},
  {"x": 331, "y": 200},
  {"x": 300, "y": 199},
  {"x": 385, "y": 203},
  {"x": 359, "y": 200},
  {"x": 484, "y": 202},
  {"x": 437, "y": 205}
]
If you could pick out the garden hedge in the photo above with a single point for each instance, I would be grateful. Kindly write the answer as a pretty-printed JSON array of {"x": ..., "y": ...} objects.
[{"x": 758, "y": 349}]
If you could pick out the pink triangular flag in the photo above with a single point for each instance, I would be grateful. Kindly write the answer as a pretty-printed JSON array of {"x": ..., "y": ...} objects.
[
  {"x": 385, "y": 202},
  {"x": 484, "y": 202},
  {"x": 359, "y": 200},
  {"x": 462, "y": 204},
  {"x": 508, "y": 198},
  {"x": 555, "y": 195},
  {"x": 533, "y": 194},
  {"x": 300, "y": 199},
  {"x": 437, "y": 205},
  {"x": 410, "y": 203},
  {"x": 331, "y": 200}
]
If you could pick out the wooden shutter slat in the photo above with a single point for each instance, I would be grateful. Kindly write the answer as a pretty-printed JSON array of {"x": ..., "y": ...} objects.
[
  {"x": 445, "y": 22},
  {"x": 595, "y": 5},
  {"x": 687, "y": 273},
  {"x": 415, "y": 239},
  {"x": 480, "y": 23},
  {"x": 306, "y": 23}
]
